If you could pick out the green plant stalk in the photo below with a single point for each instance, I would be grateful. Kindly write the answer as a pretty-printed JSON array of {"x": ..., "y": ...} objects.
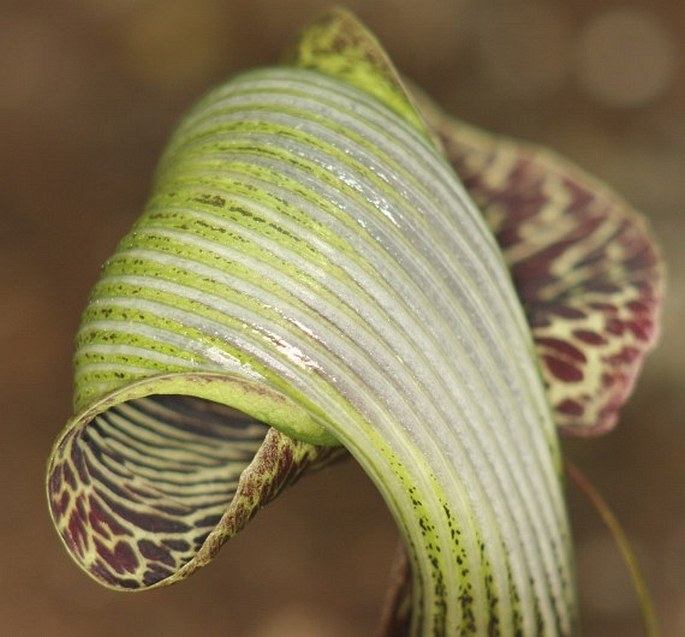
[
  {"x": 308, "y": 259},
  {"x": 649, "y": 620}
]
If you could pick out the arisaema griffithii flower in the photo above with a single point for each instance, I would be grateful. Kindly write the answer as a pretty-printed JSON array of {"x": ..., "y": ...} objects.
[{"x": 329, "y": 263}]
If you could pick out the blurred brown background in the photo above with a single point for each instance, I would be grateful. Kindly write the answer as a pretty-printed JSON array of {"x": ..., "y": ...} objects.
[{"x": 90, "y": 89}]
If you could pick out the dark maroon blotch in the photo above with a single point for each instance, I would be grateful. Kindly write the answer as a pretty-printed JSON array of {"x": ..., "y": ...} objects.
[
  {"x": 562, "y": 370},
  {"x": 570, "y": 407},
  {"x": 125, "y": 557},
  {"x": 589, "y": 338},
  {"x": 564, "y": 348},
  {"x": 155, "y": 574},
  {"x": 152, "y": 551},
  {"x": 98, "y": 513}
]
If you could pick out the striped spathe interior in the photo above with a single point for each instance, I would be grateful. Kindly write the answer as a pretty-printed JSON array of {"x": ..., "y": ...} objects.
[{"x": 137, "y": 492}]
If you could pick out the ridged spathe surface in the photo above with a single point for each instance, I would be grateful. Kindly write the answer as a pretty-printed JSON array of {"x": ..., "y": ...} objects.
[{"x": 303, "y": 237}]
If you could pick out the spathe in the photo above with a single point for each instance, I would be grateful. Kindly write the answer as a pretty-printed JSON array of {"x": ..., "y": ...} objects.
[{"x": 207, "y": 300}]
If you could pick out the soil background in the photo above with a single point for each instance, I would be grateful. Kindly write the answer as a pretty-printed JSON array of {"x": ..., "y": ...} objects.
[{"x": 90, "y": 90}]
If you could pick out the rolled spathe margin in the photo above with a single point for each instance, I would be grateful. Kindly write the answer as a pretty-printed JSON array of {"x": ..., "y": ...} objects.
[
  {"x": 252, "y": 397},
  {"x": 130, "y": 477}
]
